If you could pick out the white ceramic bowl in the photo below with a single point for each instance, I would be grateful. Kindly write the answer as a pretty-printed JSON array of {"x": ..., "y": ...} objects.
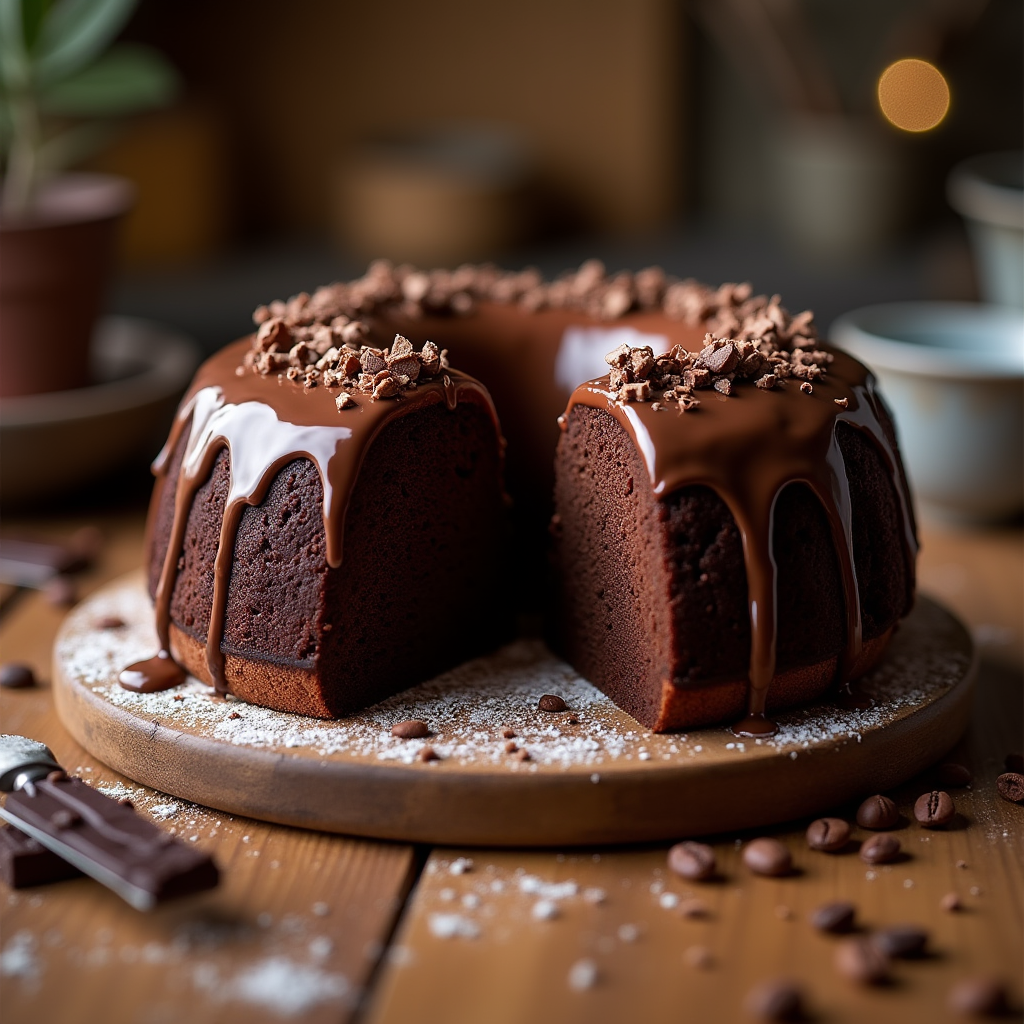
[{"x": 953, "y": 375}]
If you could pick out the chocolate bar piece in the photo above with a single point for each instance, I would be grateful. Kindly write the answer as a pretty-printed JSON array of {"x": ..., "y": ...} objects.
[
  {"x": 109, "y": 841},
  {"x": 24, "y": 862}
]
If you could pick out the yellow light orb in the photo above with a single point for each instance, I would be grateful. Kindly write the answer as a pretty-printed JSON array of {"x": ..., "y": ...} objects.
[{"x": 913, "y": 95}]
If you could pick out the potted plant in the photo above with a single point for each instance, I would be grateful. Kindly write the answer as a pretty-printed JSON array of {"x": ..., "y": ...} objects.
[{"x": 61, "y": 85}]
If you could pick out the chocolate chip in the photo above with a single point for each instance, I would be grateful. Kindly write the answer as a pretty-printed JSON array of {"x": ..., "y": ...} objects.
[
  {"x": 767, "y": 857},
  {"x": 776, "y": 999},
  {"x": 978, "y": 997},
  {"x": 549, "y": 702},
  {"x": 695, "y": 861},
  {"x": 877, "y": 812},
  {"x": 413, "y": 729},
  {"x": 954, "y": 775},
  {"x": 880, "y": 849},
  {"x": 828, "y": 834},
  {"x": 935, "y": 809},
  {"x": 903, "y": 940},
  {"x": 1011, "y": 787},
  {"x": 834, "y": 917},
  {"x": 1014, "y": 763},
  {"x": 428, "y": 754},
  {"x": 950, "y": 903},
  {"x": 862, "y": 961},
  {"x": 14, "y": 675},
  {"x": 110, "y": 622}
]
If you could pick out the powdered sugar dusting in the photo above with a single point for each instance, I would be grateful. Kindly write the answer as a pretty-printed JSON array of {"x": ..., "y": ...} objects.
[{"x": 468, "y": 707}]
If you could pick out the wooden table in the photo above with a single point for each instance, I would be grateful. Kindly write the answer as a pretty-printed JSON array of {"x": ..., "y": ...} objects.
[{"x": 314, "y": 927}]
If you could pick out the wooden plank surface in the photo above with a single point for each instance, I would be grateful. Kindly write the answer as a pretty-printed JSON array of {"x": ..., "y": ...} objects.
[
  {"x": 295, "y": 930},
  {"x": 263, "y": 948}
]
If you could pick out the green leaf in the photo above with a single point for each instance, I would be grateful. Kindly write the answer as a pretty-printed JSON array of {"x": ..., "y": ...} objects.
[
  {"x": 127, "y": 79},
  {"x": 75, "y": 33},
  {"x": 33, "y": 15},
  {"x": 13, "y": 58}
]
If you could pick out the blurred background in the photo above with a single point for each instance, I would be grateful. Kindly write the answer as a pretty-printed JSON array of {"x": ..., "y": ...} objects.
[{"x": 722, "y": 139}]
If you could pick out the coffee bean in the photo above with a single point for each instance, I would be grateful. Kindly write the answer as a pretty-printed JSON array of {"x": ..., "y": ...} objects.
[
  {"x": 834, "y": 917},
  {"x": 828, "y": 834},
  {"x": 1014, "y": 763},
  {"x": 549, "y": 702},
  {"x": 950, "y": 902},
  {"x": 1011, "y": 787},
  {"x": 414, "y": 729},
  {"x": 954, "y": 775},
  {"x": 935, "y": 809},
  {"x": 777, "y": 999},
  {"x": 16, "y": 676},
  {"x": 695, "y": 861},
  {"x": 901, "y": 940},
  {"x": 877, "y": 812},
  {"x": 862, "y": 961},
  {"x": 767, "y": 857},
  {"x": 978, "y": 997},
  {"x": 880, "y": 849}
]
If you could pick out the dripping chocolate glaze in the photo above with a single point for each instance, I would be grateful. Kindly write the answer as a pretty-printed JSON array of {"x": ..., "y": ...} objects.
[
  {"x": 265, "y": 422},
  {"x": 747, "y": 448}
]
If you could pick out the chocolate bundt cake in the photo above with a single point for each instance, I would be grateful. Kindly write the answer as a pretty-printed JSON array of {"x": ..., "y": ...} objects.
[
  {"x": 330, "y": 498},
  {"x": 323, "y": 516},
  {"x": 732, "y": 525}
]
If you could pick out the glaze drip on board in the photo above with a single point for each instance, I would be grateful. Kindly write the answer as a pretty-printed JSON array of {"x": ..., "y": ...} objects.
[
  {"x": 265, "y": 423},
  {"x": 718, "y": 445}
]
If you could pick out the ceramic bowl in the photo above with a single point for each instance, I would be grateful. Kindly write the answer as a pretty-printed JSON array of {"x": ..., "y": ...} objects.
[
  {"x": 953, "y": 375},
  {"x": 52, "y": 443}
]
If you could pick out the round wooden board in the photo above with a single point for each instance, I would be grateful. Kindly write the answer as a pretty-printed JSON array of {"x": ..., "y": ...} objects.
[{"x": 603, "y": 780}]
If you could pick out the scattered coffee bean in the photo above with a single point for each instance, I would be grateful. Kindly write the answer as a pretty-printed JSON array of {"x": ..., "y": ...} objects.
[
  {"x": 693, "y": 908},
  {"x": 698, "y": 957},
  {"x": 978, "y": 997},
  {"x": 414, "y": 729},
  {"x": 935, "y": 809},
  {"x": 778, "y": 999},
  {"x": 428, "y": 754},
  {"x": 834, "y": 917},
  {"x": 1011, "y": 787},
  {"x": 880, "y": 849},
  {"x": 1014, "y": 763},
  {"x": 508, "y": 734},
  {"x": 110, "y": 622},
  {"x": 950, "y": 903},
  {"x": 549, "y": 702},
  {"x": 954, "y": 775},
  {"x": 767, "y": 857},
  {"x": 16, "y": 676},
  {"x": 862, "y": 961},
  {"x": 877, "y": 812},
  {"x": 901, "y": 940},
  {"x": 828, "y": 834},
  {"x": 61, "y": 592},
  {"x": 695, "y": 861}
]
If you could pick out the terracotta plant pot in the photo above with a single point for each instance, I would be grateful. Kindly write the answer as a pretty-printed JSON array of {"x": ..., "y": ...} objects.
[{"x": 55, "y": 262}]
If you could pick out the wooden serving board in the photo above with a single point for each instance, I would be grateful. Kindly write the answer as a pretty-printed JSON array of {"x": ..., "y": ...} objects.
[{"x": 603, "y": 780}]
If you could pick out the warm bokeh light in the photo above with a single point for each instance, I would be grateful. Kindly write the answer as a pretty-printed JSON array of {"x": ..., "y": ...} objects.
[{"x": 913, "y": 95}]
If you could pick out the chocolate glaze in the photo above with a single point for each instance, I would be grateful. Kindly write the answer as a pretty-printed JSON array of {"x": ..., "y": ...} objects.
[
  {"x": 160, "y": 672},
  {"x": 747, "y": 448},
  {"x": 266, "y": 422}
]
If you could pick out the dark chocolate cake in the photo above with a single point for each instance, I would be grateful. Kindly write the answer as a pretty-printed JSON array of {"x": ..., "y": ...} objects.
[{"x": 760, "y": 542}]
